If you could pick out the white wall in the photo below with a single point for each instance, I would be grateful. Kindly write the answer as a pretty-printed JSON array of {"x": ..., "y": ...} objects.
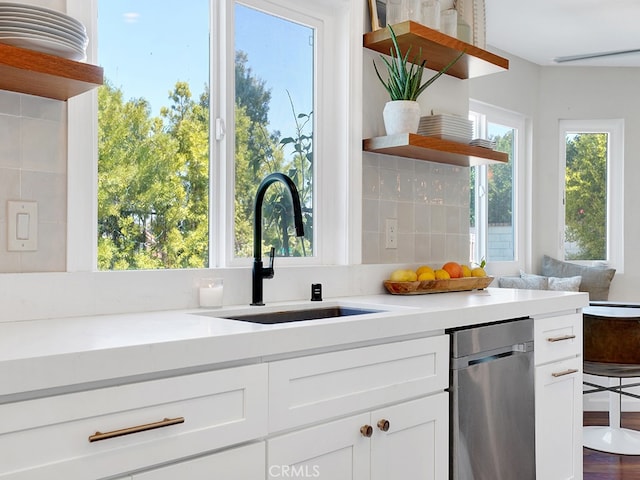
[
  {"x": 549, "y": 94},
  {"x": 592, "y": 93}
]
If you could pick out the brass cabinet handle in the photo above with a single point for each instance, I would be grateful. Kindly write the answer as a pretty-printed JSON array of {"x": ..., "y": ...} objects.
[
  {"x": 366, "y": 430},
  {"x": 140, "y": 428},
  {"x": 568, "y": 371},
  {"x": 383, "y": 425},
  {"x": 561, "y": 338}
]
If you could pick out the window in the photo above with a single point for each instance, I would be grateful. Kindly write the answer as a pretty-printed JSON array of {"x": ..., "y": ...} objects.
[
  {"x": 160, "y": 205},
  {"x": 591, "y": 159},
  {"x": 153, "y": 135},
  {"x": 274, "y": 128},
  {"x": 497, "y": 191}
]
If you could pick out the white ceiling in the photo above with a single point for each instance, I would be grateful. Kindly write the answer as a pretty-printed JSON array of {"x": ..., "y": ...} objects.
[{"x": 541, "y": 30}]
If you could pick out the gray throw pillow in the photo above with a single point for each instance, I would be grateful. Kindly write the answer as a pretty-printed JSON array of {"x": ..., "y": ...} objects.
[
  {"x": 537, "y": 283},
  {"x": 595, "y": 280},
  {"x": 566, "y": 284}
]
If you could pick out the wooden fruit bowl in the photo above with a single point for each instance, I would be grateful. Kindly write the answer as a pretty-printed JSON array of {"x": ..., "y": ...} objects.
[{"x": 437, "y": 286}]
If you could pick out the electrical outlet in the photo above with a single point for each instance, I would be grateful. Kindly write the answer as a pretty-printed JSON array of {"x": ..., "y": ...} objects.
[{"x": 391, "y": 233}]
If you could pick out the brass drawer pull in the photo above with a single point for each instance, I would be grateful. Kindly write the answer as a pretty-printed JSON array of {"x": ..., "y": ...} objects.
[
  {"x": 568, "y": 371},
  {"x": 140, "y": 428},
  {"x": 561, "y": 338}
]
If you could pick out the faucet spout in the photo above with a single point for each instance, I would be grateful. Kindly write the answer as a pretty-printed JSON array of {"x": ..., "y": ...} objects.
[{"x": 260, "y": 272}]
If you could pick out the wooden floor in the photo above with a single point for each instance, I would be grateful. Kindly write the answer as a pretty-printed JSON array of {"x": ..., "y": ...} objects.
[{"x": 605, "y": 466}]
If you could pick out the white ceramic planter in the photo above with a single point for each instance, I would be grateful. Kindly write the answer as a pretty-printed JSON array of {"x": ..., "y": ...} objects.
[{"x": 401, "y": 116}]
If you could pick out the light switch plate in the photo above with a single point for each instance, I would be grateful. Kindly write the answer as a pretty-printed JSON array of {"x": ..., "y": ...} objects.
[{"x": 22, "y": 226}]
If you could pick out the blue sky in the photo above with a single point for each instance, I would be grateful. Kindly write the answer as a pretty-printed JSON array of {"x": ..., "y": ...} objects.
[{"x": 145, "y": 46}]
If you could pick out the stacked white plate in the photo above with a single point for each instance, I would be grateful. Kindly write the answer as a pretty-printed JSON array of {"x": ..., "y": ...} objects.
[
  {"x": 43, "y": 30},
  {"x": 481, "y": 142},
  {"x": 447, "y": 127}
]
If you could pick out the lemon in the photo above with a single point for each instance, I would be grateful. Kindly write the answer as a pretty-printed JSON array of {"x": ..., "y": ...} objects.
[
  {"x": 410, "y": 276},
  {"x": 397, "y": 276},
  {"x": 442, "y": 274},
  {"x": 403, "y": 276},
  {"x": 427, "y": 275},
  {"x": 478, "y": 272},
  {"x": 424, "y": 269},
  {"x": 466, "y": 271}
]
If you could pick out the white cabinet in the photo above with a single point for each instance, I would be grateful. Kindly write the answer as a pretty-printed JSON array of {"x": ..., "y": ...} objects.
[
  {"x": 417, "y": 442},
  {"x": 110, "y": 431},
  {"x": 406, "y": 440},
  {"x": 403, "y": 431},
  {"x": 558, "y": 387},
  {"x": 313, "y": 388},
  {"x": 242, "y": 463},
  {"x": 334, "y": 451}
]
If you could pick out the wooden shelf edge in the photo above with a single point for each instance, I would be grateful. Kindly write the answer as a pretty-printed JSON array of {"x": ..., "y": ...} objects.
[
  {"x": 438, "y": 49},
  {"x": 36, "y": 73},
  {"x": 419, "y": 147}
]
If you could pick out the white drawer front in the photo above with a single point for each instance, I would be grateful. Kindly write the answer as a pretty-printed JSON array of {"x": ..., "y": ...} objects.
[
  {"x": 557, "y": 338},
  {"x": 308, "y": 389},
  {"x": 49, "y": 437}
]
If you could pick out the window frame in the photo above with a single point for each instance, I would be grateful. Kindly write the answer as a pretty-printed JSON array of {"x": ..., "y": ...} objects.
[
  {"x": 290, "y": 11},
  {"x": 336, "y": 232},
  {"x": 615, "y": 186},
  {"x": 486, "y": 113}
]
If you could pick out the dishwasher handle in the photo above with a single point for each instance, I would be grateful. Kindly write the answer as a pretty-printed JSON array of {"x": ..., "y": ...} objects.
[{"x": 492, "y": 355}]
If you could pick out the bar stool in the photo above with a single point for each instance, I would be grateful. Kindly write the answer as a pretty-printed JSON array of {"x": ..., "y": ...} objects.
[{"x": 612, "y": 349}]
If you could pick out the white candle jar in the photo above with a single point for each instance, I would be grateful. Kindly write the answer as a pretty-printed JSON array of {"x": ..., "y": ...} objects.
[{"x": 211, "y": 292}]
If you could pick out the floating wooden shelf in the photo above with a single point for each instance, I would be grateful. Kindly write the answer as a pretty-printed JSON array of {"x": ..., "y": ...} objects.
[
  {"x": 35, "y": 73},
  {"x": 433, "y": 149},
  {"x": 438, "y": 49}
]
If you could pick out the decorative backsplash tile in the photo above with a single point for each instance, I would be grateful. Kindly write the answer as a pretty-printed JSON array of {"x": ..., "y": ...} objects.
[{"x": 429, "y": 200}]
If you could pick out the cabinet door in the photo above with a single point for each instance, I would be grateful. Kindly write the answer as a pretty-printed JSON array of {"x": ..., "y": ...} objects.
[
  {"x": 243, "y": 463},
  {"x": 416, "y": 444},
  {"x": 559, "y": 420},
  {"x": 332, "y": 451}
]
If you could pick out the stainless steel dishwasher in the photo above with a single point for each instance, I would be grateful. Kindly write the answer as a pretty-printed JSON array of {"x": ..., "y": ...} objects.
[{"x": 492, "y": 402}]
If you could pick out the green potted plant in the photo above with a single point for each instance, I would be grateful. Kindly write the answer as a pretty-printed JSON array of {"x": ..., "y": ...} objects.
[{"x": 404, "y": 85}]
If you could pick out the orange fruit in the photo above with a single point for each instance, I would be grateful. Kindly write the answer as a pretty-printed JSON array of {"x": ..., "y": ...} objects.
[
  {"x": 442, "y": 274},
  {"x": 453, "y": 269}
]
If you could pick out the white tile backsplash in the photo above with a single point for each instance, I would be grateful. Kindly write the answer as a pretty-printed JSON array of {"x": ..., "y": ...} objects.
[
  {"x": 43, "y": 145},
  {"x": 33, "y": 166},
  {"x": 9, "y": 141},
  {"x": 430, "y": 201}
]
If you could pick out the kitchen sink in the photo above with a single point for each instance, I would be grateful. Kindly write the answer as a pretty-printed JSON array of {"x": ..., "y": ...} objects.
[{"x": 285, "y": 316}]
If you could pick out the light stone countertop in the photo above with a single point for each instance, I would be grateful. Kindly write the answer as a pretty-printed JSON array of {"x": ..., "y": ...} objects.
[{"x": 57, "y": 355}]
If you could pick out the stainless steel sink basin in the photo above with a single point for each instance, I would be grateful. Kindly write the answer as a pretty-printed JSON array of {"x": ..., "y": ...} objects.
[{"x": 285, "y": 316}]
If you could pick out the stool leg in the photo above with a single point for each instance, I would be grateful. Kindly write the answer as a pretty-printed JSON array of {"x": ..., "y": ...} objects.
[
  {"x": 612, "y": 439},
  {"x": 615, "y": 404}
]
